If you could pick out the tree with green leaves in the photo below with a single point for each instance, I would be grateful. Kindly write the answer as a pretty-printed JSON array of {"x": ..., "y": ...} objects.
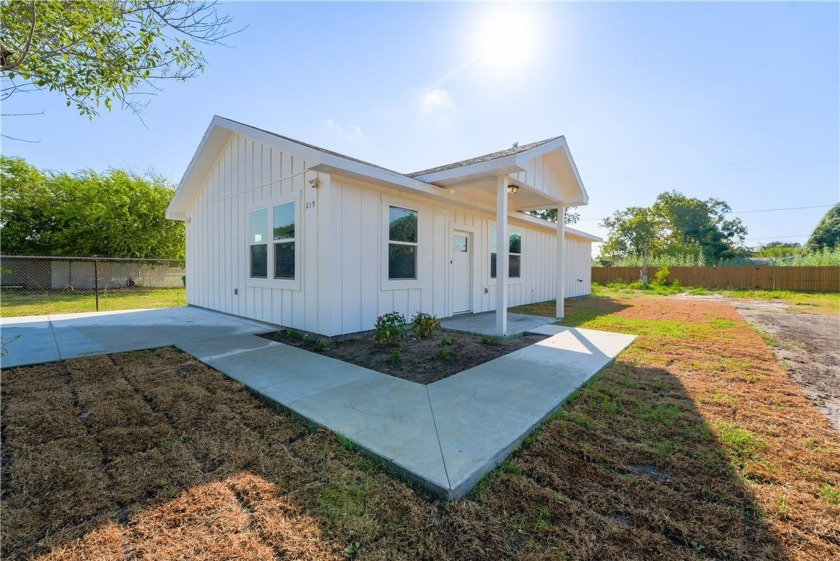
[
  {"x": 96, "y": 53},
  {"x": 631, "y": 232},
  {"x": 827, "y": 232},
  {"x": 675, "y": 225},
  {"x": 778, "y": 249},
  {"x": 703, "y": 224},
  {"x": 110, "y": 214},
  {"x": 570, "y": 216}
]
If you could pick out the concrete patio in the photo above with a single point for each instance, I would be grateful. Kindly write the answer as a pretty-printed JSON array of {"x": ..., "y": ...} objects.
[
  {"x": 443, "y": 436},
  {"x": 484, "y": 323}
]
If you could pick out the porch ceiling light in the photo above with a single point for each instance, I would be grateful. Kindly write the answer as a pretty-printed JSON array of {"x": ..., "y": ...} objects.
[{"x": 513, "y": 189}]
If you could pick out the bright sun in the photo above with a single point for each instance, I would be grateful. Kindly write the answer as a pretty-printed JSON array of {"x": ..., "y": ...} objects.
[{"x": 506, "y": 38}]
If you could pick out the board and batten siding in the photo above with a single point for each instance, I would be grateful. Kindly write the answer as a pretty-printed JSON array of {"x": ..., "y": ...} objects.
[
  {"x": 539, "y": 175},
  {"x": 246, "y": 176},
  {"x": 578, "y": 266},
  {"x": 361, "y": 262},
  {"x": 342, "y": 275}
]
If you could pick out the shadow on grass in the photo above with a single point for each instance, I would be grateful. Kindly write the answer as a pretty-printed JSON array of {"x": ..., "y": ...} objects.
[
  {"x": 578, "y": 310},
  {"x": 629, "y": 468},
  {"x": 155, "y": 454}
]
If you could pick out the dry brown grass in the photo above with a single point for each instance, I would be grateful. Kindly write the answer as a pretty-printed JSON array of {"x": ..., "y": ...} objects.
[{"x": 693, "y": 445}]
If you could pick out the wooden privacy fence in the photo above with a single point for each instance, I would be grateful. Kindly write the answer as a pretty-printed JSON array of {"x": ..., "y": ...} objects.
[{"x": 809, "y": 279}]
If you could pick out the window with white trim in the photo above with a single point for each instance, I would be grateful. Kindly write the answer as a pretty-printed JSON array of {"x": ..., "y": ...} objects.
[
  {"x": 284, "y": 237},
  {"x": 258, "y": 244},
  {"x": 402, "y": 243},
  {"x": 514, "y": 254}
]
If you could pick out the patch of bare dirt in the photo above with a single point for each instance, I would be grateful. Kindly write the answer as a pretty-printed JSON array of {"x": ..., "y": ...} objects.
[
  {"x": 807, "y": 345},
  {"x": 424, "y": 361}
]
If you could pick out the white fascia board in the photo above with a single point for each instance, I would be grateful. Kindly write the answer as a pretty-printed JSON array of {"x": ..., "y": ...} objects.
[
  {"x": 553, "y": 226},
  {"x": 204, "y": 157},
  {"x": 268, "y": 138},
  {"x": 487, "y": 168},
  {"x": 214, "y": 139},
  {"x": 581, "y": 234},
  {"x": 538, "y": 151},
  {"x": 523, "y": 158},
  {"x": 576, "y": 172},
  {"x": 329, "y": 163}
]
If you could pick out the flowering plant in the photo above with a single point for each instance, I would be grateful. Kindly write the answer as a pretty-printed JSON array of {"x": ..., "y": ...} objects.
[{"x": 390, "y": 328}]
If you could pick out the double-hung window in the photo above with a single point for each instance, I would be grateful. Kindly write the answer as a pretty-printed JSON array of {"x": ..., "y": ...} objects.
[
  {"x": 284, "y": 241},
  {"x": 258, "y": 244},
  {"x": 402, "y": 243},
  {"x": 280, "y": 221},
  {"x": 514, "y": 254}
]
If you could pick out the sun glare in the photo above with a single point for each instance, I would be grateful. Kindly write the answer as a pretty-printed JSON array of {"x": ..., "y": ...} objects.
[{"x": 506, "y": 38}]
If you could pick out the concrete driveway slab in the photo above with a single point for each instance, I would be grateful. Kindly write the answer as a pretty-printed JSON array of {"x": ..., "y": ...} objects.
[
  {"x": 387, "y": 416},
  {"x": 30, "y": 342},
  {"x": 494, "y": 383},
  {"x": 207, "y": 350},
  {"x": 324, "y": 378},
  {"x": 85, "y": 334},
  {"x": 474, "y": 436}
]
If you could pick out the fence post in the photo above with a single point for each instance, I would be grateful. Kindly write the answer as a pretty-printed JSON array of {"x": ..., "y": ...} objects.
[{"x": 96, "y": 280}]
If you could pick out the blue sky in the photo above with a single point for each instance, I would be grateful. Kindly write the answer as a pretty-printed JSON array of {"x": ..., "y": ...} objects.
[{"x": 734, "y": 101}]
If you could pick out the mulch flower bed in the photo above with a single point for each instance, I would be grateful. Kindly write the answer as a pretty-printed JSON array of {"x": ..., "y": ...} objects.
[{"x": 418, "y": 360}]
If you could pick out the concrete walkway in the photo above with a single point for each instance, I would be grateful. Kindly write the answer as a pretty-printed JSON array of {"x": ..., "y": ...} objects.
[
  {"x": 484, "y": 323},
  {"x": 443, "y": 437}
]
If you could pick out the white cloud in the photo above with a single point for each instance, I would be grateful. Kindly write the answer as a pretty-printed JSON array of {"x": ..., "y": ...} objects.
[
  {"x": 350, "y": 133},
  {"x": 435, "y": 108}
]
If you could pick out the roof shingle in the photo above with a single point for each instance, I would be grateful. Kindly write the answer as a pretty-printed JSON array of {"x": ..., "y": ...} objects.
[{"x": 485, "y": 158}]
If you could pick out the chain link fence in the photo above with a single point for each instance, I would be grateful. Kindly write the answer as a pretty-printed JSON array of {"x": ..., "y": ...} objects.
[{"x": 57, "y": 285}]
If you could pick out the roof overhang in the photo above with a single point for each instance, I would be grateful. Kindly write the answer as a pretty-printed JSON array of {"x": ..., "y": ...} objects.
[
  {"x": 464, "y": 182},
  {"x": 215, "y": 138},
  {"x": 573, "y": 191}
]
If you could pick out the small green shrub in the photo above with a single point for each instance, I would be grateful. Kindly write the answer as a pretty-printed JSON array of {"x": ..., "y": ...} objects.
[
  {"x": 390, "y": 328},
  {"x": 292, "y": 335},
  {"x": 450, "y": 340},
  {"x": 320, "y": 346},
  {"x": 491, "y": 341},
  {"x": 306, "y": 339},
  {"x": 661, "y": 278},
  {"x": 424, "y": 325},
  {"x": 444, "y": 354},
  {"x": 395, "y": 357}
]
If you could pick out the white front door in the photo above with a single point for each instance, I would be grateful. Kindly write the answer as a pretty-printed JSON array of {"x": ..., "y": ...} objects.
[{"x": 461, "y": 273}]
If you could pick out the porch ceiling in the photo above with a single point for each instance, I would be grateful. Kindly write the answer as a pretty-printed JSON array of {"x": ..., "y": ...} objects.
[{"x": 484, "y": 190}]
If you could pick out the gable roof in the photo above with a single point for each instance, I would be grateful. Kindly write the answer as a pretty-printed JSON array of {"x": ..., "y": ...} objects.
[
  {"x": 485, "y": 158},
  {"x": 327, "y": 161},
  {"x": 313, "y": 147}
]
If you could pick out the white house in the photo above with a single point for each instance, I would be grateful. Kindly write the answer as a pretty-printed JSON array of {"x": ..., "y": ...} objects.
[{"x": 295, "y": 235}]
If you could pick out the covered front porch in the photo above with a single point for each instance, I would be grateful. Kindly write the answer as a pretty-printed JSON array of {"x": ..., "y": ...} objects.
[
  {"x": 484, "y": 323},
  {"x": 537, "y": 176}
]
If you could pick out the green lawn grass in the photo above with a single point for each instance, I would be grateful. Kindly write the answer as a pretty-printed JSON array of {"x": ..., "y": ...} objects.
[
  {"x": 823, "y": 303},
  {"x": 18, "y": 303}
]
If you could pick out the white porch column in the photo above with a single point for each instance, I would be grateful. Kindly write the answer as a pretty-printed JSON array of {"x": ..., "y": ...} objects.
[
  {"x": 561, "y": 256},
  {"x": 501, "y": 256}
]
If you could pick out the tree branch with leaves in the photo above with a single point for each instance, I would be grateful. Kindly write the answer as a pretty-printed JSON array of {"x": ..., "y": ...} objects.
[{"x": 100, "y": 53}]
